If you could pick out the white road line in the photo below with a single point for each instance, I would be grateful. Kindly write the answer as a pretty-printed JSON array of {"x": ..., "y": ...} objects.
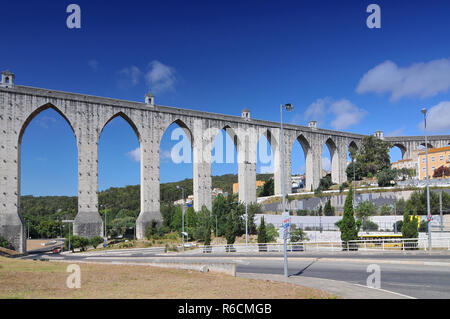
[{"x": 388, "y": 291}]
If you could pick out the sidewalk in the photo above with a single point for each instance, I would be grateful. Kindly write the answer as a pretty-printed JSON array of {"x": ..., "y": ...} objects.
[{"x": 338, "y": 288}]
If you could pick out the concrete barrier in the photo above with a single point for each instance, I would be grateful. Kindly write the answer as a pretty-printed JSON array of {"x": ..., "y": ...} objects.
[{"x": 225, "y": 268}]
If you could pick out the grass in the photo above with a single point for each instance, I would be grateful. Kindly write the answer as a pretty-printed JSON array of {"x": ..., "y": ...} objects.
[{"x": 38, "y": 279}]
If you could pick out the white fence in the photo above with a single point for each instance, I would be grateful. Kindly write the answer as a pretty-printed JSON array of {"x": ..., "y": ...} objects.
[{"x": 386, "y": 245}]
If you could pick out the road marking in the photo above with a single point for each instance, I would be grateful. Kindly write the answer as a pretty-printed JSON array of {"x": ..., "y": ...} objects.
[{"x": 388, "y": 291}]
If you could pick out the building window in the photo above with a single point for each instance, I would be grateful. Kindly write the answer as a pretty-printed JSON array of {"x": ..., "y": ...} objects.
[
  {"x": 432, "y": 158},
  {"x": 441, "y": 158},
  {"x": 423, "y": 160}
]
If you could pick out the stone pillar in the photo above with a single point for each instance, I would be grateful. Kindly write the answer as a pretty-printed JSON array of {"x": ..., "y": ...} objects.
[
  {"x": 150, "y": 195},
  {"x": 202, "y": 145},
  {"x": 314, "y": 159},
  {"x": 246, "y": 156},
  {"x": 277, "y": 157},
  {"x": 88, "y": 222},
  {"x": 12, "y": 226},
  {"x": 335, "y": 161},
  {"x": 342, "y": 150}
]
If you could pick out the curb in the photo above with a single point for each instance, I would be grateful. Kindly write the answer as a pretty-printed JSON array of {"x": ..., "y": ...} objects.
[{"x": 338, "y": 288}]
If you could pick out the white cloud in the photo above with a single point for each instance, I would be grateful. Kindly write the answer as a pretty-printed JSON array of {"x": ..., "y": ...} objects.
[
  {"x": 326, "y": 164},
  {"x": 438, "y": 118},
  {"x": 93, "y": 64},
  {"x": 347, "y": 114},
  {"x": 165, "y": 156},
  {"x": 418, "y": 80},
  {"x": 135, "y": 155},
  {"x": 344, "y": 113},
  {"x": 160, "y": 77},
  {"x": 130, "y": 76},
  {"x": 317, "y": 110}
]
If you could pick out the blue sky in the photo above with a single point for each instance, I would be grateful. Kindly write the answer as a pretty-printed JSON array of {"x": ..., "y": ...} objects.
[{"x": 223, "y": 56}]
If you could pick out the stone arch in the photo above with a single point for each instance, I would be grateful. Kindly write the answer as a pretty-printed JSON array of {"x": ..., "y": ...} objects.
[
  {"x": 36, "y": 112},
  {"x": 21, "y": 134},
  {"x": 353, "y": 145},
  {"x": 187, "y": 130},
  {"x": 334, "y": 154},
  {"x": 233, "y": 135},
  {"x": 273, "y": 143},
  {"x": 307, "y": 152},
  {"x": 429, "y": 145},
  {"x": 127, "y": 119},
  {"x": 401, "y": 147}
]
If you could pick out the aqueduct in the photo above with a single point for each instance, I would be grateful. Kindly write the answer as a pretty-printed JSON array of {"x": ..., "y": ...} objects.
[{"x": 88, "y": 115}]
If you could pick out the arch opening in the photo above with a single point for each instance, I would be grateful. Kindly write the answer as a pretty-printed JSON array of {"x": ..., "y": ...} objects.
[
  {"x": 48, "y": 169},
  {"x": 301, "y": 167},
  {"x": 119, "y": 170}
]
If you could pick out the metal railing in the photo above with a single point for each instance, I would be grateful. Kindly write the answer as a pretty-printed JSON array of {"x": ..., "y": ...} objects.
[{"x": 385, "y": 245}]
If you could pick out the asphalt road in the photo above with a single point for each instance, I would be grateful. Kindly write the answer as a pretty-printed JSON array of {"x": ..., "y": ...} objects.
[{"x": 419, "y": 275}]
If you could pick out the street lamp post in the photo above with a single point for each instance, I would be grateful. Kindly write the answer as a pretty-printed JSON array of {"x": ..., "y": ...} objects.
[
  {"x": 182, "y": 215},
  {"x": 288, "y": 107},
  {"x": 246, "y": 202},
  {"x": 429, "y": 217}
]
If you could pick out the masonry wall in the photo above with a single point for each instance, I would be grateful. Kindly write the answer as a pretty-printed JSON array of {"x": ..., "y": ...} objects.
[{"x": 88, "y": 115}]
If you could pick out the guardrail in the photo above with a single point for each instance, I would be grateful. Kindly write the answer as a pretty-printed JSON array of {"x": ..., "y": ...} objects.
[{"x": 400, "y": 244}]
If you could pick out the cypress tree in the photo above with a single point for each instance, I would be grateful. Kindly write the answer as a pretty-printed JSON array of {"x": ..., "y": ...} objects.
[
  {"x": 262, "y": 235},
  {"x": 348, "y": 226}
]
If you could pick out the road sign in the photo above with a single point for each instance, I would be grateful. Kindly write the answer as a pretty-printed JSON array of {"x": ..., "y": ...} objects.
[{"x": 286, "y": 225}]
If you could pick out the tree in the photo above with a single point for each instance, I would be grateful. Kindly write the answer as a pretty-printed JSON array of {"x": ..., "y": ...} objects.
[
  {"x": 374, "y": 154},
  {"x": 328, "y": 209},
  {"x": 95, "y": 241},
  {"x": 220, "y": 211},
  {"x": 348, "y": 226},
  {"x": 262, "y": 235},
  {"x": 385, "y": 177},
  {"x": 77, "y": 242},
  {"x": 253, "y": 209},
  {"x": 359, "y": 172},
  {"x": 417, "y": 202},
  {"x": 230, "y": 233},
  {"x": 410, "y": 226},
  {"x": 441, "y": 171},
  {"x": 320, "y": 211},
  {"x": 191, "y": 222},
  {"x": 372, "y": 157},
  {"x": 203, "y": 229},
  {"x": 364, "y": 210},
  {"x": 272, "y": 233},
  {"x": 267, "y": 189},
  {"x": 385, "y": 210},
  {"x": 297, "y": 235}
]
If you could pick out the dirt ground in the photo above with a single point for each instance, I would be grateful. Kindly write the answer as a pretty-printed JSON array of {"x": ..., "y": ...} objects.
[{"x": 46, "y": 279}]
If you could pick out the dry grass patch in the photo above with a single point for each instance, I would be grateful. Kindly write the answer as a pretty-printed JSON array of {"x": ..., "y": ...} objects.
[{"x": 38, "y": 279}]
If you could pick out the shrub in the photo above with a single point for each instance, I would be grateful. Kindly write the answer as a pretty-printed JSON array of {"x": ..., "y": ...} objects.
[
  {"x": 96, "y": 240},
  {"x": 77, "y": 242},
  {"x": 272, "y": 233},
  {"x": 152, "y": 231},
  {"x": 4, "y": 243},
  {"x": 298, "y": 235},
  {"x": 302, "y": 212},
  {"x": 328, "y": 209}
]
